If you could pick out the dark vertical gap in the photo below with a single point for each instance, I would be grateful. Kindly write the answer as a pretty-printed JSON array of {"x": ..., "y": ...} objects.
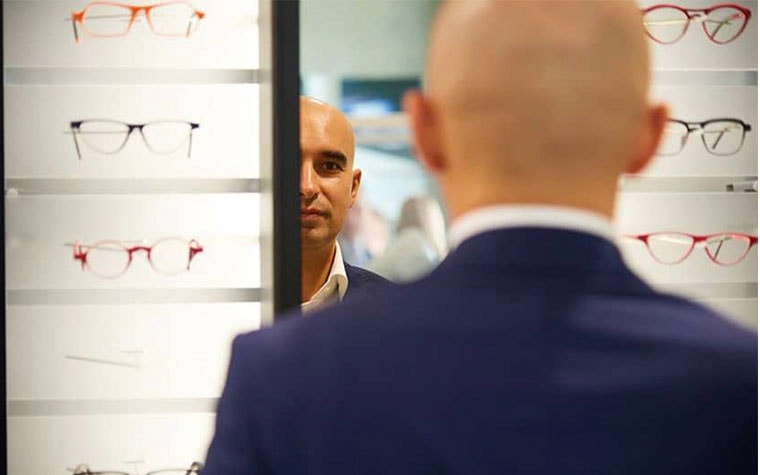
[
  {"x": 4, "y": 435},
  {"x": 286, "y": 166}
]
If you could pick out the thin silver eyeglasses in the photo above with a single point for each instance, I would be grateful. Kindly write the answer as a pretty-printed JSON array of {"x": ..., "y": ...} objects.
[{"x": 194, "y": 469}]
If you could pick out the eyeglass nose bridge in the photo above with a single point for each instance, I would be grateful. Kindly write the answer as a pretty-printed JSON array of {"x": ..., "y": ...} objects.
[
  {"x": 698, "y": 17},
  {"x": 696, "y": 129},
  {"x": 133, "y": 127},
  {"x": 133, "y": 249},
  {"x": 145, "y": 9}
]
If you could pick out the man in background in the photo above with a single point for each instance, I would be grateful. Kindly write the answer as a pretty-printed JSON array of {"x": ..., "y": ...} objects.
[
  {"x": 532, "y": 349},
  {"x": 329, "y": 186}
]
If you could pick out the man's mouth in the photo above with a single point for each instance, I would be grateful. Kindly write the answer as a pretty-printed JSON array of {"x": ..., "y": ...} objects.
[{"x": 309, "y": 213}]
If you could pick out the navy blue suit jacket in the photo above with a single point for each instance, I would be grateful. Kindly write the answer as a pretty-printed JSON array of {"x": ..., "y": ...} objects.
[
  {"x": 361, "y": 281},
  {"x": 528, "y": 351}
]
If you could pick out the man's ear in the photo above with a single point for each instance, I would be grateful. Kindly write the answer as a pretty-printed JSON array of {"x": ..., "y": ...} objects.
[
  {"x": 356, "y": 181},
  {"x": 425, "y": 128},
  {"x": 655, "y": 120}
]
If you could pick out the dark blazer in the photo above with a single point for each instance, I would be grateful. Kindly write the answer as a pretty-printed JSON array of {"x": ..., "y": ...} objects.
[
  {"x": 361, "y": 281},
  {"x": 528, "y": 351}
]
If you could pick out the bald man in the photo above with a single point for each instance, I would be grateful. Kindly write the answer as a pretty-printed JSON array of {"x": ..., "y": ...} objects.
[
  {"x": 329, "y": 186},
  {"x": 532, "y": 349}
]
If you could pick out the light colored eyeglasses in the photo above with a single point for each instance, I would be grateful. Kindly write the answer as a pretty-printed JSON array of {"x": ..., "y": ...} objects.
[
  {"x": 110, "y": 19},
  {"x": 725, "y": 249},
  {"x": 110, "y": 259},
  {"x": 194, "y": 469},
  {"x": 719, "y": 136},
  {"x": 722, "y": 23},
  {"x": 109, "y": 136}
]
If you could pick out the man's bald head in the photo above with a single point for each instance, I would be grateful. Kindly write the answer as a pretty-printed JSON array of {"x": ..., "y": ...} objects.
[
  {"x": 526, "y": 95},
  {"x": 329, "y": 182},
  {"x": 316, "y": 114}
]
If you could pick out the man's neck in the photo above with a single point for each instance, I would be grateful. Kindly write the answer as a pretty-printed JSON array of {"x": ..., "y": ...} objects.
[{"x": 315, "y": 268}]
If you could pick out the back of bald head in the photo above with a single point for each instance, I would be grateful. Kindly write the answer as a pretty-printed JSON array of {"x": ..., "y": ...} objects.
[{"x": 538, "y": 87}]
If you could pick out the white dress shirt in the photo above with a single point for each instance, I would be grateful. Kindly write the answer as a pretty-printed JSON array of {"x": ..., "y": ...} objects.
[
  {"x": 334, "y": 288},
  {"x": 511, "y": 216}
]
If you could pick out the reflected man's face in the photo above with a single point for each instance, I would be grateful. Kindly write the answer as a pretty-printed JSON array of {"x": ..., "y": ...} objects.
[{"x": 329, "y": 184}]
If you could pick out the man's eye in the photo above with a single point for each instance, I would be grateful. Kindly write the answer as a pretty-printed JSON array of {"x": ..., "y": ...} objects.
[{"x": 331, "y": 167}]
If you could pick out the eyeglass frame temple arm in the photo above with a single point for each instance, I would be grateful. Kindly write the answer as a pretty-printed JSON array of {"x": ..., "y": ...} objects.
[
  {"x": 76, "y": 17},
  {"x": 752, "y": 242},
  {"x": 74, "y": 126},
  {"x": 196, "y": 14},
  {"x": 79, "y": 256},
  {"x": 194, "y": 249},
  {"x": 720, "y": 25},
  {"x": 746, "y": 128},
  {"x": 639, "y": 237},
  {"x": 193, "y": 126}
]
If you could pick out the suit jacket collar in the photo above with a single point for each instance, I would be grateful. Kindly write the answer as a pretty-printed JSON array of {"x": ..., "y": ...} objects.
[
  {"x": 362, "y": 280},
  {"x": 542, "y": 253},
  {"x": 494, "y": 217}
]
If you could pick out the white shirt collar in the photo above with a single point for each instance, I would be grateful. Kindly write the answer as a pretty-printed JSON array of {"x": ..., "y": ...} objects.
[
  {"x": 510, "y": 216},
  {"x": 334, "y": 288}
]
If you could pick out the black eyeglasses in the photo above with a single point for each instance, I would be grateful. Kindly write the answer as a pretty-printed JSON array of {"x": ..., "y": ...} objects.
[
  {"x": 719, "y": 136},
  {"x": 194, "y": 469},
  {"x": 109, "y": 136}
]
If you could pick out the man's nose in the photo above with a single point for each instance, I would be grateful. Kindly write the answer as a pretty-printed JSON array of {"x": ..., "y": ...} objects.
[{"x": 308, "y": 182}]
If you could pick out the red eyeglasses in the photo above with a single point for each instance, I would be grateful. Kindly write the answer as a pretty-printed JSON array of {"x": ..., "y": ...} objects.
[
  {"x": 722, "y": 23},
  {"x": 110, "y": 259},
  {"x": 109, "y": 19},
  {"x": 725, "y": 249}
]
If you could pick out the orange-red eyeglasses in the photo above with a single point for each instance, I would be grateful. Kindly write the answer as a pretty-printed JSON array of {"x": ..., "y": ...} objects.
[{"x": 109, "y": 19}]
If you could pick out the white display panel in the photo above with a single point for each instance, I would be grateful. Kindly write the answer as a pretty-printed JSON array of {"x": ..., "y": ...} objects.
[
  {"x": 40, "y": 34},
  {"x": 697, "y": 213},
  {"x": 695, "y": 51},
  {"x": 701, "y": 103},
  {"x": 741, "y": 311},
  {"x": 694, "y": 213},
  {"x": 131, "y": 443},
  {"x": 39, "y": 142},
  {"x": 122, "y": 352},
  {"x": 123, "y": 373},
  {"x": 40, "y": 228}
]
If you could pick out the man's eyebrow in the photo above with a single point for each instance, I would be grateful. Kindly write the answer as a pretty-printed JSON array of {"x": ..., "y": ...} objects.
[{"x": 335, "y": 155}]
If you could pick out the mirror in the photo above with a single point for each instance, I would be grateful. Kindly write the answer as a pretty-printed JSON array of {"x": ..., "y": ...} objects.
[{"x": 361, "y": 57}]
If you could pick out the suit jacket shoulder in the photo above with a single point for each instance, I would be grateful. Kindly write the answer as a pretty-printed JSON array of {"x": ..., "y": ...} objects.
[{"x": 362, "y": 280}]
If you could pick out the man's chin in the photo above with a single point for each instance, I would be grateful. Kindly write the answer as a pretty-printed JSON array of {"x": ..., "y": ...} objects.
[{"x": 314, "y": 238}]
